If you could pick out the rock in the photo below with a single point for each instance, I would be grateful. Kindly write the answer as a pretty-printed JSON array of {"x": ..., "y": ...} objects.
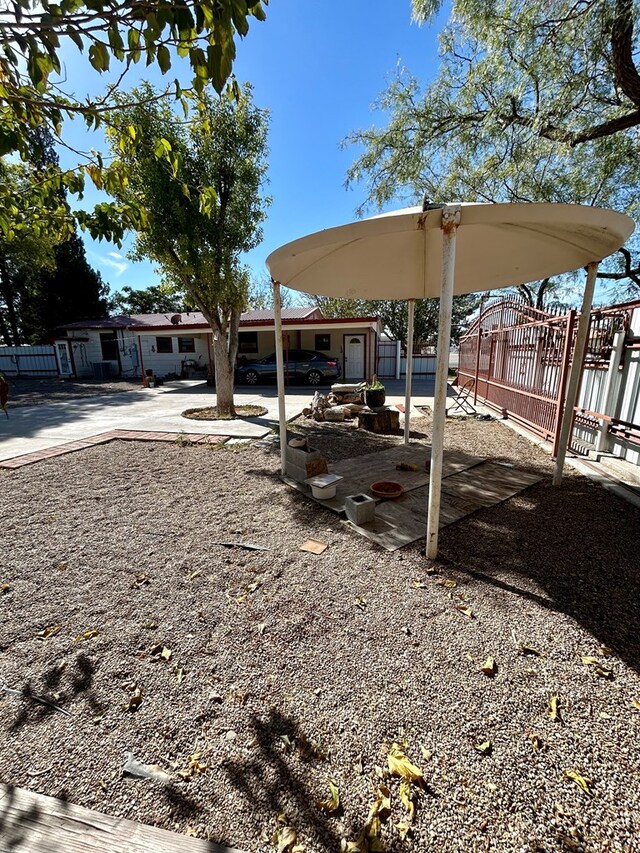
[{"x": 336, "y": 413}]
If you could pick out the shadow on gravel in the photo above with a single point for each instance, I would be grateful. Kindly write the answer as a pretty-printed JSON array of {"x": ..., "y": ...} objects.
[
  {"x": 578, "y": 543},
  {"x": 38, "y": 703},
  {"x": 275, "y": 781}
]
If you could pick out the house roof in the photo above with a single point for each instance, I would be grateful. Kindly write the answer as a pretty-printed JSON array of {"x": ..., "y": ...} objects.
[{"x": 190, "y": 319}]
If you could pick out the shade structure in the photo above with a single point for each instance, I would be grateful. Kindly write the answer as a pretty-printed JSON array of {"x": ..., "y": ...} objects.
[
  {"x": 440, "y": 251},
  {"x": 399, "y": 255}
]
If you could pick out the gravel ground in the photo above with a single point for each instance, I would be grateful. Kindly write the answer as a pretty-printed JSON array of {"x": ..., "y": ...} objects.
[
  {"x": 288, "y": 669},
  {"x": 29, "y": 392}
]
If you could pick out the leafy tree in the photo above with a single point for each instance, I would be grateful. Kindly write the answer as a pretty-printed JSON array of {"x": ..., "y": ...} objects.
[
  {"x": 203, "y": 208},
  {"x": 156, "y": 299},
  {"x": 22, "y": 259},
  {"x": 260, "y": 296},
  {"x": 35, "y": 36},
  {"x": 72, "y": 290},
  {"x": 52, "y": 283},
  {"x": 532, "y": 102},
  {"x": 394, "y": 315}
]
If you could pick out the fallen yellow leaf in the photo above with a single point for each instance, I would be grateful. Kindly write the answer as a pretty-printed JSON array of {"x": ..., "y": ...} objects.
[
  {"x": 360, "y": 602},
  {"x": 554, "y": 711},
  {"x": 636, "y": 704},
  {"x": 589, "y": 661},
  {"x": 448, "y": 583},
  {"x": 86, "y": 636},
  {"x": 332, "y": 804},
  {"x": 583, "y": 783},
  {"x": 408, "y": 799},
  {"x": 51, "y": 631},
  {"x": 489, "y": 667},
  {"x": 285, "y": 839},
  {"x": 484, "y": 748},
  {"x": 466, "y": 610},
  {"x": 399, "y": 765},
  {"x": 404, "y": 829},
  {"x": 536, "y": 743}
]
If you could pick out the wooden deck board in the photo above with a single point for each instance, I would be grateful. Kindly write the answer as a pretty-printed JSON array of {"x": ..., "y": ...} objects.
[
  {"x": 469, "y": 483},
  {"x": 34, "y": 823},
  {"x": 361, "y": 471}
]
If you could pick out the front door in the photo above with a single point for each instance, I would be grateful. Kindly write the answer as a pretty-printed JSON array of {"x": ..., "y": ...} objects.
[
  {"x": 354, "y": 357},
  {"x": 64, "y": 360}
]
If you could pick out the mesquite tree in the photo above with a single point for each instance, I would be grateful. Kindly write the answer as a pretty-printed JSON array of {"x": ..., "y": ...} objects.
[{"x": 203, "y": 204}]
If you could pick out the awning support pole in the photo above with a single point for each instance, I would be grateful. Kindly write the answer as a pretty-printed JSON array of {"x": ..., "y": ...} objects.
[
  {"x": 576, "y": 372},
  {"x": 411, "y": 307},
  {"x": 282, "y": 414},
  {"x": 450, "y": 223}
]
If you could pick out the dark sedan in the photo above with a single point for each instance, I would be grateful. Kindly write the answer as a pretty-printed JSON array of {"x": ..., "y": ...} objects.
[{"x": 299, "y": 364}]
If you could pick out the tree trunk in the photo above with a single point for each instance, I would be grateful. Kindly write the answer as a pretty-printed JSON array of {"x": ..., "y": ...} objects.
[{"x": 224, "y": 377}]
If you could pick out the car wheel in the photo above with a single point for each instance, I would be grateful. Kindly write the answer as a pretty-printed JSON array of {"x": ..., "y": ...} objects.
[
  {"x": 251, "y": 377},
  {"x": 314, "y": 377}
]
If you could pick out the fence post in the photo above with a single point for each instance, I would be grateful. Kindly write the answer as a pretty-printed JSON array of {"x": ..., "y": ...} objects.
[
  {"x": 564, "y": 378},
  {"x": 610, "y": 390},
  {"x": 475, "y": 382},
  {"x": 577, "y": 364}
]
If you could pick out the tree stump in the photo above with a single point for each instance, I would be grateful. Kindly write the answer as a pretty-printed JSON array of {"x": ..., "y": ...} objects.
[{"x": 384, "y": 422}]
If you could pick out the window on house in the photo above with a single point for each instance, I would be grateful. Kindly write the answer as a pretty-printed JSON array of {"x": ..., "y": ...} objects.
[
  {"x": 247, "y": 342},
  {"x": 186, "y": 344},
  {"x": 109, "y": 346},
  {"x": 323, "y": 342},
  {"x": 164, "y": 344}
]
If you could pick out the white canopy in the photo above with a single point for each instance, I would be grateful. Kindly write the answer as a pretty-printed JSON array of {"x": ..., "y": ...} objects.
[
  {"x": 498, "y": 245},
  {"x": 438, "y": 252}
]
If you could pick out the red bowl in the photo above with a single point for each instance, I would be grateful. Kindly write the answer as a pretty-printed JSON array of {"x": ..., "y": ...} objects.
[{"x": 386, "y": 489}]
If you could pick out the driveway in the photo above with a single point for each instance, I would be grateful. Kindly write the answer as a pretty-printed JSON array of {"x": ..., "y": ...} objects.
[{"x": 45, "y": 425}]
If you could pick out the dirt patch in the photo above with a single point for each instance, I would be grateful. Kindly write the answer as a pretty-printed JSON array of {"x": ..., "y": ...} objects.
[
  {"x": 210, "y": 413},
  {"x": 287, "y": 669}
]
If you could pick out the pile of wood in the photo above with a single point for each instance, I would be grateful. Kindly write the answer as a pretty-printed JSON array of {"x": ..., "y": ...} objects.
[{"x": 342, "y": 403}]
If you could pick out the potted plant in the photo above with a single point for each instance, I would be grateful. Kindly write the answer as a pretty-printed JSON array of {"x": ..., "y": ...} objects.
[{"x": 374, "y": 393}]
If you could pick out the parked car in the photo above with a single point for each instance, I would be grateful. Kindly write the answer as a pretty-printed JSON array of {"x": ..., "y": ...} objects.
[{"x": 299, "y": 364}]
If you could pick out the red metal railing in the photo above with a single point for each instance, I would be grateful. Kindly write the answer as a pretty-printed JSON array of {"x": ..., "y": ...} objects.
[{"x": 518, "y": 359}]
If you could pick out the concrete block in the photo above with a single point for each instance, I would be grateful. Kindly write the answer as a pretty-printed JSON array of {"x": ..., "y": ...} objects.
[{"x": 360, "y": 509}]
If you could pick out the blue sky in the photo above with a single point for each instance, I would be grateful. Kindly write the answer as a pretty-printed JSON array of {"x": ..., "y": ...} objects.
[{"x": 318, "y": 68}]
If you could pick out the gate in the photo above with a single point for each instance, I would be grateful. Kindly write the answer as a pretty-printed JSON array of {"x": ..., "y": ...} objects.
[
  {"x": 28, "y": 361},
  {"x": 517, "y": 359}
]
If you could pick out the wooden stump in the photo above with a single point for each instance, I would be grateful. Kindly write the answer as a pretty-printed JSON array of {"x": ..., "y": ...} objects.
[{"x": 385, "y": 422}]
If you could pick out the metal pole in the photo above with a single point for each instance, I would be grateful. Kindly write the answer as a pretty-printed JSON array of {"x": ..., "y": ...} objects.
[
  {"x": 450, "y": 222},
  {"x": 411, "y": 305},
  {"x": 282, "y": 415},
  {"x": 576, "y": 371},
  {"x": 562, "y": 385}
]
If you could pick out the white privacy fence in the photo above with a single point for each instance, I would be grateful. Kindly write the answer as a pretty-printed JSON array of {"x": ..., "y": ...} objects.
[
  {"x": 28, "y": 361},
  {"x": 392, "y": 363}
]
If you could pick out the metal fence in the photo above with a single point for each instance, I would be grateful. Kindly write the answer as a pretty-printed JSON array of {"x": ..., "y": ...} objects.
[
  {"x": 517, "y": 360},
  {"x": 28, "y": 361}
]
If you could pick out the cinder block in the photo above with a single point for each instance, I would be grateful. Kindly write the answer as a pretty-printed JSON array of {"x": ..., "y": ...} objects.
[
  {"x": 302, "y": 464},
  {"x": 360, "y": 509}
]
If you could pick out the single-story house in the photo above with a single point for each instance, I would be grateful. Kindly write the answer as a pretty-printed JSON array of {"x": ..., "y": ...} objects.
[{"x": 181, "y": 344}]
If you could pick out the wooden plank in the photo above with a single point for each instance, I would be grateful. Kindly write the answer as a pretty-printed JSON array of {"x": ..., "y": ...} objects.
[
  {"x": 34, "y": 823},
  {"x": 403, "y": 520},
  {"x": 361, "y": 471}
]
